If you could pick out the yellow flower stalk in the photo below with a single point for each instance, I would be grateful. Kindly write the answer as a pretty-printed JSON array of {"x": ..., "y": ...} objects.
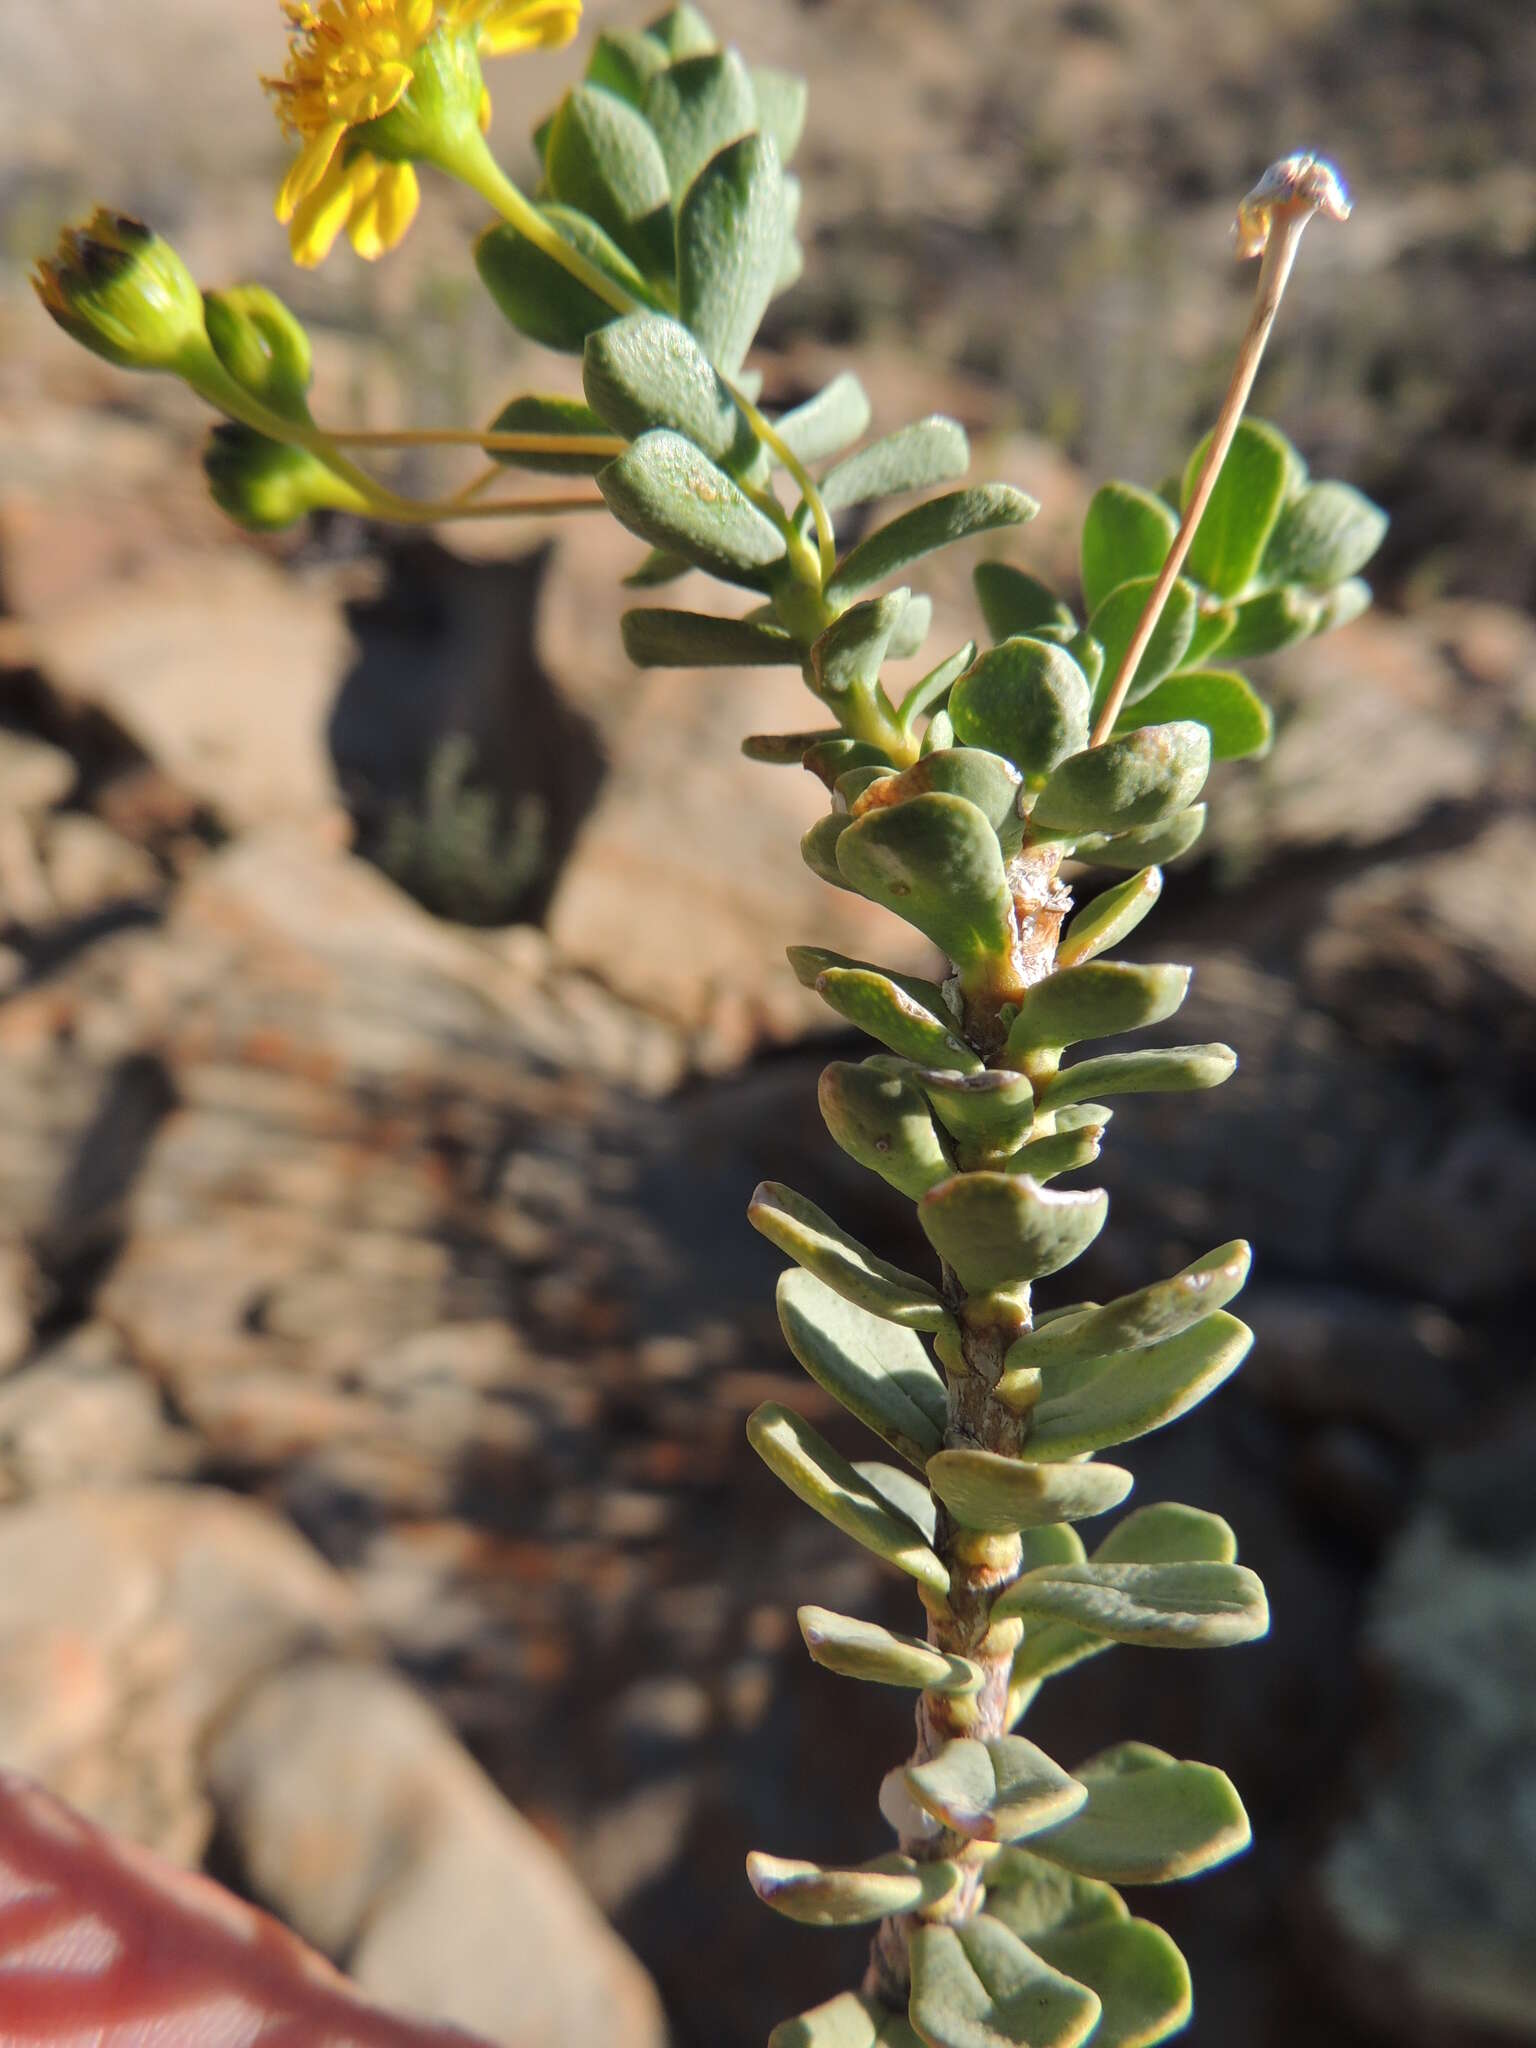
[{"x": 374, "y": 87}]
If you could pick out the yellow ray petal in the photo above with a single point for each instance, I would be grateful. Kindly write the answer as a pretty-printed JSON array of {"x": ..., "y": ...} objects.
[
  {"x": 382, "y": 216},
  {"x": 527, "y": 24},
  {"x": 308, "y": 168},
  {"x": 323, "y": 215}
]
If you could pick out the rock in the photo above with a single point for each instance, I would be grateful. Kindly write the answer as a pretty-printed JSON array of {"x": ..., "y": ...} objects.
[
  {"x": 33, "y": 775},
  {"x": 128, "y": 1623},
  {"x": 363, "y": 1823},
  {"x": 1431, "y": 1888},
  {"x": 145, "y": 648},
  {"x": 1375, "y": 692},
  {"x": 1436, "y": 953},
  {"x": 18, "y": 1290},
  {"x": 1454, "y": 1217},
  {"x": 90, "y": 867},
  {"x": 81, "y": 1415}
]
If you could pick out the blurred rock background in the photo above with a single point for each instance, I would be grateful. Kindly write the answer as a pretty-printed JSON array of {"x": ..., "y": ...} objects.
[{"x": 377, "y": 1310}]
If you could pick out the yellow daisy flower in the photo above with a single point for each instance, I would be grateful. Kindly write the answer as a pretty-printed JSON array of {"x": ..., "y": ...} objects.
[{"x": 373, "y": 87}]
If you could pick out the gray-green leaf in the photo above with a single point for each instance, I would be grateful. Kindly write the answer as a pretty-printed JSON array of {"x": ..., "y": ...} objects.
[
  {"x": 603, "y": 160},
  {"x": 1224, "y": 702},
  {"x": 1137, "y": 1391},
  {"x": 818, "y": 1897},
  {"x": 695, "y": 107},
  {"x": 984, "y": 1490},
  {"x": 671, "y": 494},
  {"x": 1138, "y": 780},
  {"x": 935, "y": 861},
  {"x": 655, "y": 637},
  {"x": 1324, "y": 536},
  {"x": 1255, "y": 478},
  {"x": 1115, "y": 621},
  {"x": 1148, "y": 1820},
  {"x": 1145, "y": 1317},
  {"x": 824, "y": 1248},
  {"x": 939, "y": 523},
  {"x": 994, "y": 1791},
  {"x": 826, "y": 424},
  {"x": 1167, "y": 1606},
  {"x": 537, "y": 412},
  {"x": 1110, "y": 917},
  {"x": 881, "y": 1375},
  {"x": 1013, "y": 602},
  {"x": 1171, "y": 1070},
  {"x": 862, "y": 1649},
  {"x": 648, "y": 371},
  {"x": 931, "y": 451},
  {"x": 730, "y": 236},
  {"x": 1138, "y": 1975},
  {"x": 881, "y": 1120},
  {"x": 1127, "y": 533},
  {"x": 825, "y": 1481},
  {"x": 1095, "y": 1000},
  {"x": 995, "y": 1229},
  {"x": 1026, "y": 700},
  {"x": 979, "y": 1986}
]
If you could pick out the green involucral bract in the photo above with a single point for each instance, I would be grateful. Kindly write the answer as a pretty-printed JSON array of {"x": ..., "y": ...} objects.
[{"x": 979, "y": 806}]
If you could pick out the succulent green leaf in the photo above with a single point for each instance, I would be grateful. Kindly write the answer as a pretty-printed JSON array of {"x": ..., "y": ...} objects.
[
  {"x": 990, "y": 1112},
  {"x": 1339, "y": 607},
  {"x": 671, "y": 494},
  {"x": 931, "y": 451},
  {"x": 848, "y": 2021},
  {"x": 782, "y": 100},
  {"x": 885, "y": 1007},
  {"x": 682, "y": 32},
  {"x": 695, "y": 107},
  {"x": 1051, "y": 1543},
  {"x": 881, "y": 1375},
  {"x": 1148, "y": 1819},
  {"x": 818, "y": 1897},
  {"x": 995, "y": 1229},
  {"x": 828, "y": 423},
  {"x": 982, "y": 778},
  {"x": 1165, "y": 1533},
  {"x": 979, "y": 1986},
  {"x": 984, "y": 1490},
  {"x": 1064, "y": 1151},
  {"x": 1158, "y": 844},
  {"x": 1014, "y": 603},
  {"x": 1254, "y": 483},
  {"x": 1126, "y": 535},
  {"x": 1026, "y": 700},
  {"x": 934, "y": 688},
  {"x": 848, "y": 654},
  {"x": 1213, "y": 626},
  {"x": 822, "y": 1247},
  {"x": 852, "y": 783},
  {"x": 862, "y": 1649},
  {"x": 1135, "y": 1392},
  {"x": 935, "y": 862},
  {"x": 1095, "y": 1000},
  {"x": 1324, "y": 536},
  {"x": 831, "y": 759},
  {"x": 1272, "y": 620},
  {"x": 1224, "y": 702},
  {"x": 1145, "y": 1317},
  {"x": 1109, "y": 918},
  {"x": 825, "y": 1481},
  {"x": 538, "y": 295},
  {"x": 1035, "y": 1898},
  {"x": 937, "y": 524},
  {"x": 882, "y": 1121},
  {"x": 994, "y": 1791},
  {"x": 1165, "y": 1606},
  {"x": 818, "y": 849},
  {"x": 730, "y": 238},
  {"x": 940, "y": 733},
  {"x": 909, "y": 636},
  {"x": 1171, "y": 1070},
  {"x": 624, "y": 61},
  {"x": 648, "y": 371},
  {"x": 1137, "y": 1973},
  {"x": 783, "y": 749},
  {"x": 602, "y": 159},
  {"x": 656, "y": 637},
  {"x": 537, "y": 412},
  {"x": 903, "y": 1492},
  {"x": 1116, "y": 620},
  {"x": 1138, "y": 780}
]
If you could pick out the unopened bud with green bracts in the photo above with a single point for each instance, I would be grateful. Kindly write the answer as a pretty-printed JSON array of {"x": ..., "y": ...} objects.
[
  {"x": 114, "y": 286},
  {"x": 267, "y": 485}
]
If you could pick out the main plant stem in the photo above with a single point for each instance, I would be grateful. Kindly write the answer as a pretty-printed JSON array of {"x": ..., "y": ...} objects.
[{"x": 980, "y": 1565}]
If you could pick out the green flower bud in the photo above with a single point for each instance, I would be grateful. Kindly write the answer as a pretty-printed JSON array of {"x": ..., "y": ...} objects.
[
  {"x": 262, "y": 346},
  {"x": 265, "y": 485},
  {"x": 119, "y": 290}
]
